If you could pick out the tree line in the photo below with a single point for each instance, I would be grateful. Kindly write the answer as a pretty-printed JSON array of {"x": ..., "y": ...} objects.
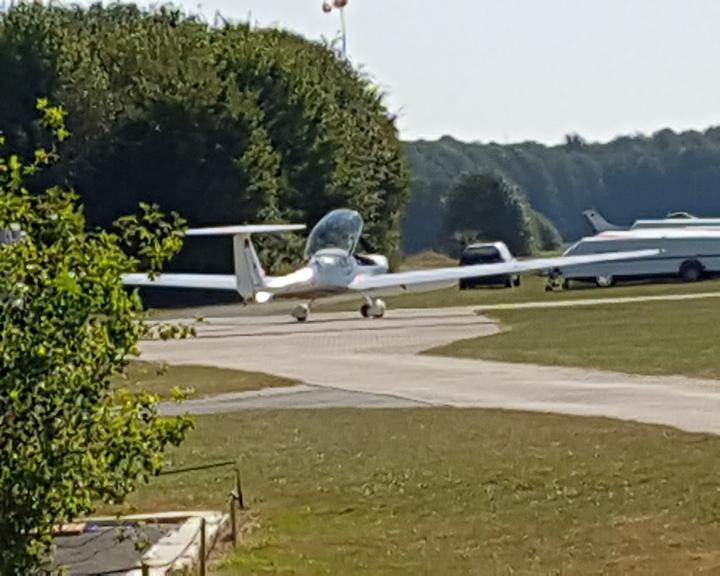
[
  {"x": 628, "y": 178},
  {"x": 235, "y": 124}
]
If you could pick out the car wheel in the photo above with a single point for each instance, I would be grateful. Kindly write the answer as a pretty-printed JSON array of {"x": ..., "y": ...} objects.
[
  {"x": 605, "y": 281},
  {"x": 691, "y": 271}
]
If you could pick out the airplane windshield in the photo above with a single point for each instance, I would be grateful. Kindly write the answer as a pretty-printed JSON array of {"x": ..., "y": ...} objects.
[{"x": 338, "y": 230}]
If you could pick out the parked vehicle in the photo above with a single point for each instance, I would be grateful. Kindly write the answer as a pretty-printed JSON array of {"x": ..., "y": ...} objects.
[
  {"x": 678, "y": 222},
  {"x": 688, "y": 253},
  {"x": 487, "y": 253}
]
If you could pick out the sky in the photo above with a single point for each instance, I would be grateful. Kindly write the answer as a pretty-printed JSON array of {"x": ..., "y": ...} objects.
[{"x": 515, "y": 70}]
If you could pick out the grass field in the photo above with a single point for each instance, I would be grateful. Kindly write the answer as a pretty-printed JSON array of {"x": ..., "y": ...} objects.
[
  {"x": 443, "y": 491},
  {"x": 427, "y": 259},
  {"x": 531, "y": 290},
  {"x": 204, "y": 380},
  {"x": 643, "y": 337}
]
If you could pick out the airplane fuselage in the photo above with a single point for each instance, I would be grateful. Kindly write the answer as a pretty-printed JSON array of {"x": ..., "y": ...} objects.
[{"x": 328, "y": 272}]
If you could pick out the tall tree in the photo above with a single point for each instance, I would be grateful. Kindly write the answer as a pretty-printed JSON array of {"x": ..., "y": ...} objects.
[
  {"x": 67, "y": 327},
  {"x": 487, "y": 207}
]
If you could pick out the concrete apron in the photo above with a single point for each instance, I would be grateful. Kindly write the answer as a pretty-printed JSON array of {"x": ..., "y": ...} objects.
[{"x": 342, "y": 351}]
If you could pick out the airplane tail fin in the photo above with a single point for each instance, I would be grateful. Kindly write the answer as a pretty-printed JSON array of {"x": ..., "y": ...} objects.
[
  {"x": 598, "y": 222},
  {"x": 249, "y": 273}
]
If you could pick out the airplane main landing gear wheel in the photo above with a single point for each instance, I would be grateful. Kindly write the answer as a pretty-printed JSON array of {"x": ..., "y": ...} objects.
[
  {"x": 300, "y": 312},
  {"x": 374, "y": 310}
]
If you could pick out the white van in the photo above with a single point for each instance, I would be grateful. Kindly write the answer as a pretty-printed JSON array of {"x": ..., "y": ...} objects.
[{"x": 689, "y": 254}]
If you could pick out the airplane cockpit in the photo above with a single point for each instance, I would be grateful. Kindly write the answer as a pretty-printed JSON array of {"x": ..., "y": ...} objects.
[{"x": 337, "y": 232}]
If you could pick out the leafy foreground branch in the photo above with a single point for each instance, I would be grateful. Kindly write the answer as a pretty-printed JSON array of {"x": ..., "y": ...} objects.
[{"x": 68, "y": 326}]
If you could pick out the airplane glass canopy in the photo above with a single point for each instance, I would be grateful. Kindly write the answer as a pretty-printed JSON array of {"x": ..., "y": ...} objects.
[{"x": 338, "y": 230}]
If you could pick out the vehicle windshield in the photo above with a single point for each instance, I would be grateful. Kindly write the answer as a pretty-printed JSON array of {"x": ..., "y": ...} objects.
[
  {"x": 338, "y": 230},
  {"x": 480, "y": 255}
]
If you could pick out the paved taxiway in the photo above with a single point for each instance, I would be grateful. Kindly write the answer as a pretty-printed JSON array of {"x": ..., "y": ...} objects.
[{"x": 374, "y": 363}]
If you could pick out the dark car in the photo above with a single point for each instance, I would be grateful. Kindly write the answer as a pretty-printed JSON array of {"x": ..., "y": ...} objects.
[{"x": 490, "y": 253}]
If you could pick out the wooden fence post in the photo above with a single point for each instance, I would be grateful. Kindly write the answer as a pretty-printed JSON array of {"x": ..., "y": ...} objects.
[
  {"x": 233, "y": 522},
  {"x": 238, "y": 489},
  {"x": 203, "y": 551}
]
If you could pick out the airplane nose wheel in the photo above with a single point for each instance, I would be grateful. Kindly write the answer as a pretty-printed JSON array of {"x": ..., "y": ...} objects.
[
  {"x": 301, "y": 312},
  {"x": 374, "y": 310}
]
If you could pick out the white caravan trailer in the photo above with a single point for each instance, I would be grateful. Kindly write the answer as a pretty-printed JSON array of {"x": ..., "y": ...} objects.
[
  {"x": 678, "y": 223},
  {"x": 688, "y": 253}
]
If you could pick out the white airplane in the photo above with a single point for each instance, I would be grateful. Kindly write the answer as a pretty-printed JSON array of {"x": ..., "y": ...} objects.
[
  {"x": 673, "y": 220},
  {"x": 333, "y": 267}
]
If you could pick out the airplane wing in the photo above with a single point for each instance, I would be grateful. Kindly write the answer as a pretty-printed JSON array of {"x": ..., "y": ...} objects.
[
  {"x": 207, "y": 281},
  {"x": 249, "y": 229},
  {"x": 369, "y": 282}
]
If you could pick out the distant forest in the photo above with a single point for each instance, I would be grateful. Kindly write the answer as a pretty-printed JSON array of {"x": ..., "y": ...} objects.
[{"x": 627, "y": 178}]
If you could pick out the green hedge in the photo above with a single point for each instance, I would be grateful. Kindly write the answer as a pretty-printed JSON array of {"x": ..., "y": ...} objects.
[{"x": 224, "y": 125}]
